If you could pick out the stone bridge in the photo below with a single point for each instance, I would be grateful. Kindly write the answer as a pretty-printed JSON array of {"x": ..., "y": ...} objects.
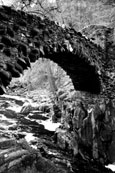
[{"x": 24, "y": 38}]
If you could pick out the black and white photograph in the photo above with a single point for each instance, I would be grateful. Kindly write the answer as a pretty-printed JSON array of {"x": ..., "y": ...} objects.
[{"x": 57, "y": 86}]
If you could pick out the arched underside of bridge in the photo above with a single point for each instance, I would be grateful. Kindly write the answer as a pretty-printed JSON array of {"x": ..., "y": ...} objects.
[{"x": 25, "y": 37}]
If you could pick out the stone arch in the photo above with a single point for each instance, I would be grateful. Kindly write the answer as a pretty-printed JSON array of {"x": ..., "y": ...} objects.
[{"x": 25, "y": 37}]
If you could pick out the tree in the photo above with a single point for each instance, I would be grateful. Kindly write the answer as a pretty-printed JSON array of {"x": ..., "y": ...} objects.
[{"x": 75, "y": 13}]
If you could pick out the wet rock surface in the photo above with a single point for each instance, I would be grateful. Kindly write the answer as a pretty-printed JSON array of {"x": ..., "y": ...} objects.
[
  {"x": 27, "y": 145},
  {"x": 89, "y": 133},
  {"x": 20, "y": 134}
]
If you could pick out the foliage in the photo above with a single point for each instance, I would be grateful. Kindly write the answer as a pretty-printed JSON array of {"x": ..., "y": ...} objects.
[{"x": 75, "y": 13}]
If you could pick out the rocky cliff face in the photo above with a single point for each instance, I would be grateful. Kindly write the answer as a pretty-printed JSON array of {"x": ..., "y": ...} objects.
[{"x": 89, "y": 132}]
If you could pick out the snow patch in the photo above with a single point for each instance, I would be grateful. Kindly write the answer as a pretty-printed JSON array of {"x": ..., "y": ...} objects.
[
  {"x": 29, "y": 137},
  {"x": 34, "y": 146},
  {"x": 111, "y": 166},
  {"x": 15, "y": 108},
  {"x": 49, "y": 125},
  {"x": 16, "y": 97}
]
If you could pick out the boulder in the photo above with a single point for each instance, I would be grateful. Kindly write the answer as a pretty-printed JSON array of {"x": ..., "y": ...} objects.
[
  {"x": 9, "y": 113},
  {"x": 19, "y": 157}
]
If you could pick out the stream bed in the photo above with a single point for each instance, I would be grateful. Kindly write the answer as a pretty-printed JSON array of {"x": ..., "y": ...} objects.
[{"x": 21, "y": 119}]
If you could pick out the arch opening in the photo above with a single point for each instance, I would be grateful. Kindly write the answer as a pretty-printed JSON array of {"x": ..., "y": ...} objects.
[{"x": 24, "y": 38}]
